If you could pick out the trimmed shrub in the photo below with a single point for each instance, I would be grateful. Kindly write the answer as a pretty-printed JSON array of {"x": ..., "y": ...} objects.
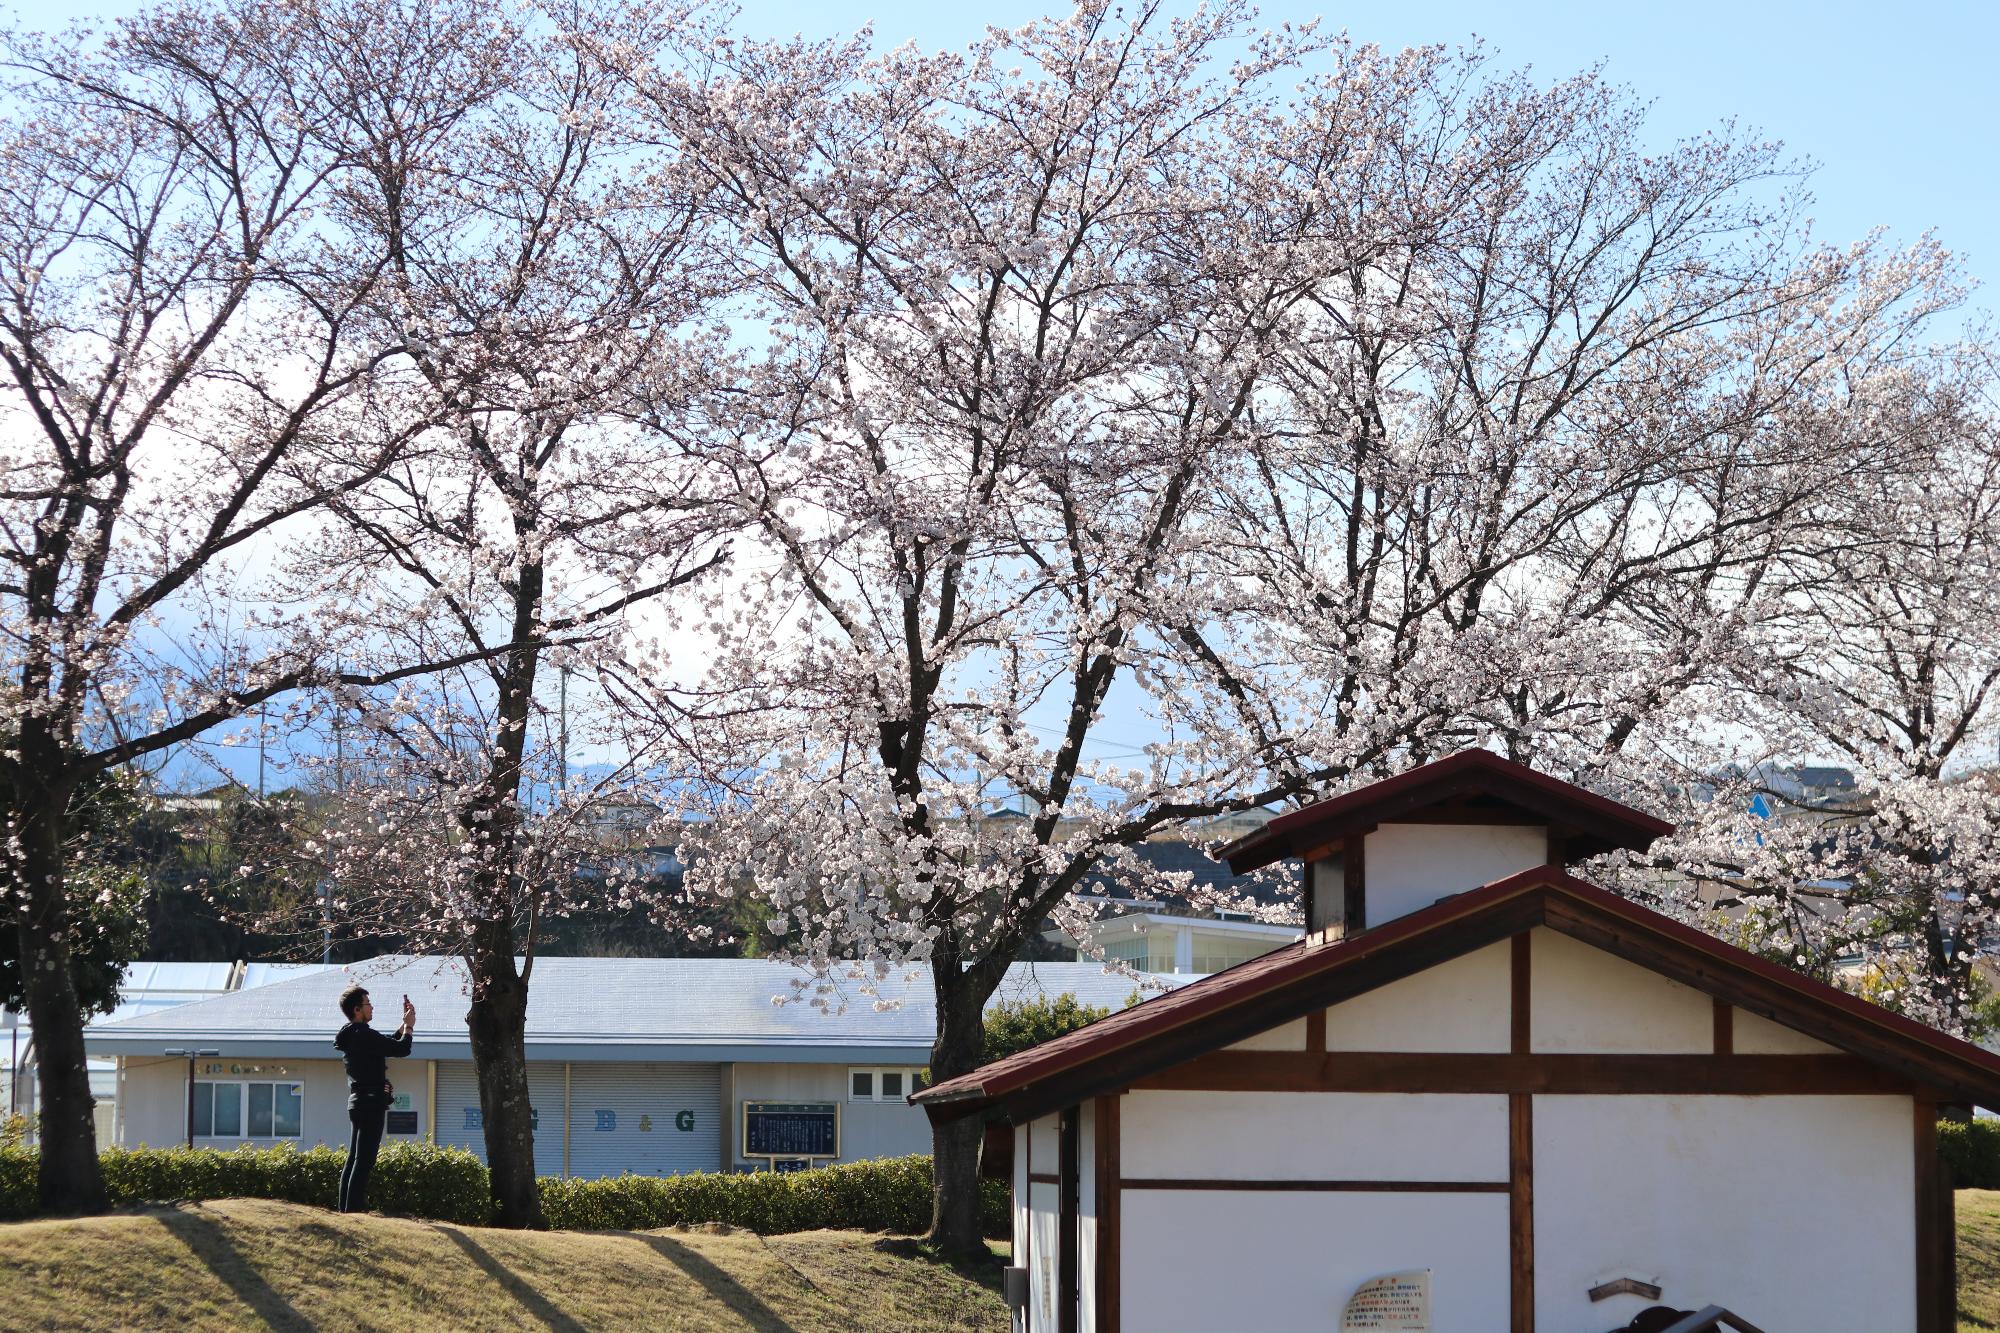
[
  {"x": 889, "y": 1194},
  {"x": 413, "y": 1179},
  {"x": 450, "y": 1185},
  {"x": 1972, "y": 1147}
]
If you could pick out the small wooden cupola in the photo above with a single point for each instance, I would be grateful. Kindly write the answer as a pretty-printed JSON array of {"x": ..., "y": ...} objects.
[{"x": 1397, "y": 846}]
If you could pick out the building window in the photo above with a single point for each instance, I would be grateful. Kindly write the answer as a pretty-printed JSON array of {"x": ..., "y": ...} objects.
[
  {"x": 247, "y": 1110},
  {"x": 882, "y": 1085}
]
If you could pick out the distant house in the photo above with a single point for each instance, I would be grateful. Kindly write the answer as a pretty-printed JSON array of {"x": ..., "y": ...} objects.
[
  {"x": 648, "y": 1065},
  {"x": 1181, "y": 945},
  {"x": 1485, "y": 1094}
]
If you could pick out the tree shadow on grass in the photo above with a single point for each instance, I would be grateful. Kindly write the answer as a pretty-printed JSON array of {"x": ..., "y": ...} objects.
[
  {"x": 533, "y": 1301},
  {"x": 740, "y": 1299},
  {"x": 211, "y": 1244}
]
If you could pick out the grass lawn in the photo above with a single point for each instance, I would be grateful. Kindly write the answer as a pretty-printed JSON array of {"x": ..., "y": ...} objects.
[
  {"x": 255, "y": 1264},
  {"x": 1978, "y": 1259}
]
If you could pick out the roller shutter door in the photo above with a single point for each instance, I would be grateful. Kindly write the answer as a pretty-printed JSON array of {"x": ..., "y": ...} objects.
[
  {"x": 647, "y": 1119},
  {"x": 458, "y": 1117}
]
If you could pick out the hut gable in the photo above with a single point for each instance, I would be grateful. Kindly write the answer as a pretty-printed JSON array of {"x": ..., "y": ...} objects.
[{"x": 1380, "y": 853}]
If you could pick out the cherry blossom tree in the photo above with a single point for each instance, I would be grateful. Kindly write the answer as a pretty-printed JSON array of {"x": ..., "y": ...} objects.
[
  {"x": 188, "y": 371},
  {"x": 1321, "y": 429},
  {"x": 540, "y": 266}
]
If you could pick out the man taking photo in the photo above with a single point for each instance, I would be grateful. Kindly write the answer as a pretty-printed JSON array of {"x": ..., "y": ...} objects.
[{"x": 369, "y": 1092}]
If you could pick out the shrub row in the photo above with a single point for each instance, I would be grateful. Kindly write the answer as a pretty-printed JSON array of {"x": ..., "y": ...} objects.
[
  {"x": 413, "y": 1179},
  {"x": 449, "y": 1185},
  {"x": 890, "y": 1194},
  {"x": 1972, "y": 1147}
]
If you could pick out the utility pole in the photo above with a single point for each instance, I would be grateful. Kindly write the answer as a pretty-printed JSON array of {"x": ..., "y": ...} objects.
[
  {"x": 562, "y": 732},
  {"x": 261, "y": 713},
  {"x": 192, "y": 1053}
]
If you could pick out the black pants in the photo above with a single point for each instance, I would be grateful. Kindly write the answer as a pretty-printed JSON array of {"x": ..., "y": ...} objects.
[{"x": 362, "y": 1145}]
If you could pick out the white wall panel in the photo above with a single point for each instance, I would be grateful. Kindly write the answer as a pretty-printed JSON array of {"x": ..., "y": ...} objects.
[
  {"x": 1411, "y": 866},
  {"x": 1313, "y": 1135},
  {"x": 1796, "y": 1212},
  {"x": 1043, "y": 1282},
  {"x": 1211, "y": 1261},
  {"x": 1460, "y": 1005},
  {"x": 1285, "y": 1037},
  {"x": 1045, "y": 1143},
  {"x": 1755, "y": 1035},
  {"x": 1584, "y": 1000}
]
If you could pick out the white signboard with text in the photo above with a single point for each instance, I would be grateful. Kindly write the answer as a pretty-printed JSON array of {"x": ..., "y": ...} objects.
[{"x": 1397, "y": 1303}]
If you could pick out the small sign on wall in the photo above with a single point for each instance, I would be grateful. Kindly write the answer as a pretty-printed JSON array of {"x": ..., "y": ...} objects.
[
  {"x": 402, "y": 1117},
  {"x": 1397, "y": 1303}
]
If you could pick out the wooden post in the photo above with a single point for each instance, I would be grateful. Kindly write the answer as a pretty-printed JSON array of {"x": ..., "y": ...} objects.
[
  {"x": 1521, "y": 1148},
  {"x": 1069, "y": 1142},
  {"x": 1110, "y": 1188},
  {"x": 1354, "y": 883},
  {"x": 1521, "y": 1211}
]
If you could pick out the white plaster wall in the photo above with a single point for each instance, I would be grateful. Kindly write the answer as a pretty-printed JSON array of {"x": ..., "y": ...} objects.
[
  {"x": 1285, "y": 1037},
  {"x": 1461, "y": 1005},
  {"x": 1313, "y": 1135},
  {"x": 1582, "y": 999},
  {"x": 1411, "y": 866},
  {"x": 1211, "y": 1260},
  {"x": 156, "y": 1099},
  {"x": 1045, "y": 1202},
  {"x": 1044, "y": 1143},
  {"x": 1796, "y": 1212},
  {"x": 1752, "y": 1034},
  {"x": 867, "y": 1129}
]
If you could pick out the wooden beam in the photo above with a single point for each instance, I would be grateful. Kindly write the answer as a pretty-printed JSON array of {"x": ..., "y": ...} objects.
[
  {"x": 1110, "y": 1186},
  {"x": 1316, "y": 1032},
  {"x": 1417, "y": 1071},
  {"x": 1068, "y": 1131},
  {"x": 1725, "y": 1028},
  {"x": 1522, "y": 1025},
  {"x": 1354, "y": 884},
  {"x": 1320, "y": 1186},
  {"x": 1162, "y": 1051},
  {"x": 1521, "y": 1212}
]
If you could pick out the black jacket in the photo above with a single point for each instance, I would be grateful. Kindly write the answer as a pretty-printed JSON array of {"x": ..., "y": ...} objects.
[{"x": 367, "y": 1053}]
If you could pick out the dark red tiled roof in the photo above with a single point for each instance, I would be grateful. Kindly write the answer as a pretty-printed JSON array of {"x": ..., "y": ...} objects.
[{"x": 1592, "y": 823}]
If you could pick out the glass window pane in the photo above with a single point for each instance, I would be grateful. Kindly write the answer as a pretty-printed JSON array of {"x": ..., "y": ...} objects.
[
  {"x": 892, "y": 1083},
  {"x": 204, "y": 1109},
  {"x": 285, "y": 1110},
  {"x": 228, "y": 1110},
  {"x": 864, "y": 1084},
  {"x": 260, "y": 1110}
]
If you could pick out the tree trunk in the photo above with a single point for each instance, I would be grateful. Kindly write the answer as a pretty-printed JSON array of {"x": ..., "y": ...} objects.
[
  {"x": 498, "y": 1021},
  {"x": 70, "y": 1178},
  {"x": 956, "y": 1144}
]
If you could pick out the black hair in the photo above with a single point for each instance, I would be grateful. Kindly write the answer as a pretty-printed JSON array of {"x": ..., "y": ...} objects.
[{"x": 351, "y": 998}]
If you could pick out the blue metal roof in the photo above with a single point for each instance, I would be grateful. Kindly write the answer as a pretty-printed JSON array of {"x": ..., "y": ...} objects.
[{"x": 607, "y": 1009}]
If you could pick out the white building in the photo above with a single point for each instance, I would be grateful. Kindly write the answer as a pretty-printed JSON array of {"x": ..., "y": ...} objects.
[
  {"x": 1528, "y": 1104},
  {"x": 1184, "y": 946},
  {"x": 651, "y": 1065}
]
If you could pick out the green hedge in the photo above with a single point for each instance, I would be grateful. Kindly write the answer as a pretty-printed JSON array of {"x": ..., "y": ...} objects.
[
  {"x": 1973, "y": 1149},
  {"x": 890, "y": 1194},
  {"x": 449, "y": 1185},
  {"x": 413, "y": 1179}
]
